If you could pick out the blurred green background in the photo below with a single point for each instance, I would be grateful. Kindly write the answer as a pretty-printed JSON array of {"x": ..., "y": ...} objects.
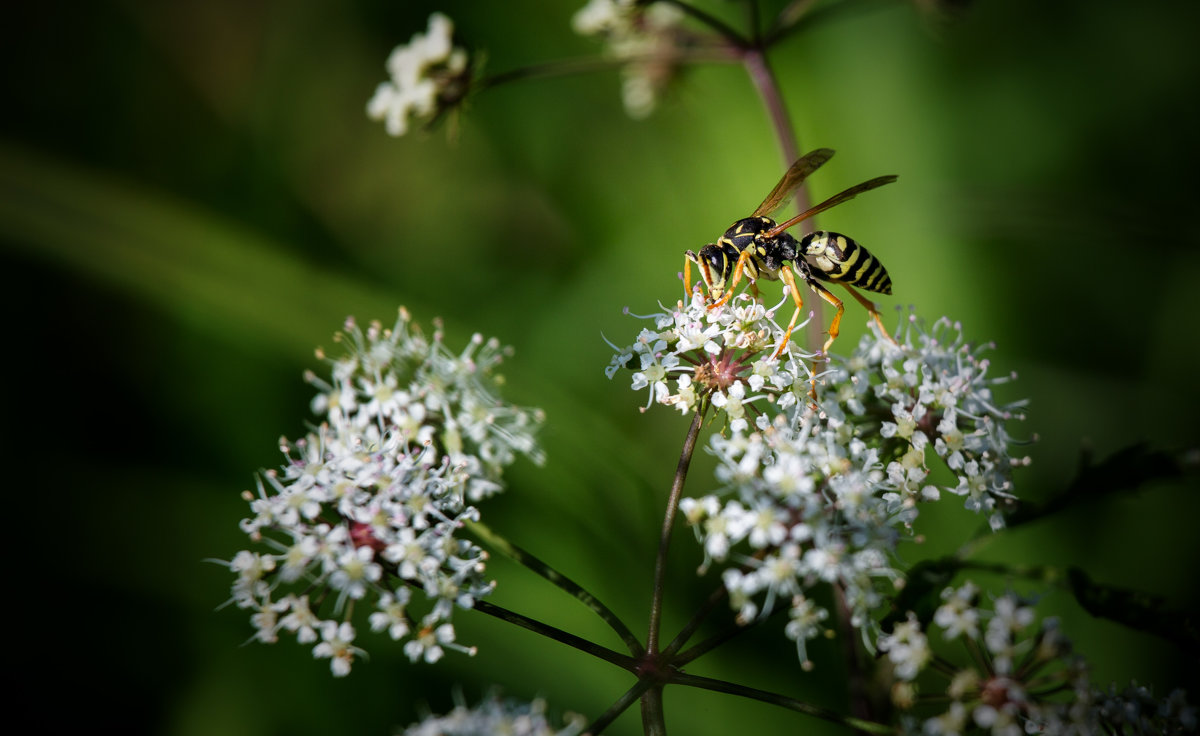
[{"x": 192, "y": 199}]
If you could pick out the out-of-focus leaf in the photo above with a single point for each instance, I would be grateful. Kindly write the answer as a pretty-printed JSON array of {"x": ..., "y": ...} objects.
[
  {"x": 1123, "y": 471},
  {"x": 185, "y": 260},
  {"x": 1137, "y": 610}
]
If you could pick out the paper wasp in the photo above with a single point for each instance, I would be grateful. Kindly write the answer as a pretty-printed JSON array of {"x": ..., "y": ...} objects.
[{"x": 757, "y": 247}]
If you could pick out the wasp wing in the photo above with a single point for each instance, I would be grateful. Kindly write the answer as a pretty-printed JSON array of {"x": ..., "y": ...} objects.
[
  {"x": 791, "y": 181},
  {"x": 833, "y": 201}
]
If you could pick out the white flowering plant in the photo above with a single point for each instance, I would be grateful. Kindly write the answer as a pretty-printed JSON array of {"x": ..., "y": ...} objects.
[{"x": 823, "y": 463}]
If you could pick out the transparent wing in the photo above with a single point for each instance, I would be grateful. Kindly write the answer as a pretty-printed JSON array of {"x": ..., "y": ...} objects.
[
  {"x": 833, "y": 201},
  {"x": 791, "y": 181}
]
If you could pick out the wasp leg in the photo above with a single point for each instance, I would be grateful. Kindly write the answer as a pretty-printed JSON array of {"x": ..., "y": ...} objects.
[
  {"x": 737, "y": 276},
  {"x": 870, "y": 306},
  {"x": 836, "y": 325},
  {"x": 687, "y": 277},
  {"x": 790, "y": 284}
]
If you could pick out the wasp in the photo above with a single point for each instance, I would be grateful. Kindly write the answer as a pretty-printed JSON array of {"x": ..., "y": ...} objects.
[{"x": 756, "y": 247}]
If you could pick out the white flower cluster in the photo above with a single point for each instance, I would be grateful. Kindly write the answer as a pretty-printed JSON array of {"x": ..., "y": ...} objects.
[
  {"x": 1023, "y": 680},
  {"x": 807, "y": 505},
  {"x": 495, "y": 716},
  {"x": 427, "y": 74},
  {"x": 821, "y": 492},
  {"x": 367, "y": 505},
  {"x": 933, "y": 391},
  {"x": 648, "y": 38},
  {"x": 723, "y": 356}
]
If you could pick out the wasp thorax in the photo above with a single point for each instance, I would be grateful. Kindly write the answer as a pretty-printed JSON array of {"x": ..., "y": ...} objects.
[{"x": 743, "y": 232}]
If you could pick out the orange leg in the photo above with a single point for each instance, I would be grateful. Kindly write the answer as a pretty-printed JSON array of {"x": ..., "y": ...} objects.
[
  {"x": 687, "y": 277},
  {"x": 835, "y": 326},
  {"x": 790, "y": 281},
  {"x": 870, "y": 307},
  {"x": 737, "y": 276},
  {"x": 790, "y": 284}
]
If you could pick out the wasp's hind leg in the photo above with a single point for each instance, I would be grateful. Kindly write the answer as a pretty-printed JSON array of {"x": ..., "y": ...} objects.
[
  {"x": 835, "y": 327},
  {"x": 790, "y": 284},
  {"x": 870, "y": 307}
]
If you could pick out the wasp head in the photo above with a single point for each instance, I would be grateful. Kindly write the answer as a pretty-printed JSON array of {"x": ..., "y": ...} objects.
[{"x": 716, "y": 265}]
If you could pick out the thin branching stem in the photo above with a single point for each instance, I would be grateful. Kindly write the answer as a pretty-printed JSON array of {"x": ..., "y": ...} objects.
[
  {"x": 716, "y": 24},
  {"x": 755, "y": 61},
  {"x": 686, "y": 632},
  {"x": 664, "y": 541},
  {"x": 620, "y": 706},
  {"x": 507, "y": 548},
  {"x": 857, "y": 684},
  {"x": 588, "y": 65},
  {"x": 621, "y": 660},
  {"x": 783, "y": 701},
  {"x": 803, "y": 15},
  {"x": 654, "y": 722},
  {"x": 704, "y": 647}
]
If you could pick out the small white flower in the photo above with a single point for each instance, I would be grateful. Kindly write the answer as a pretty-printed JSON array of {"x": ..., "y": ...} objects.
[
  {"x": 429, "y": 643},
  {"x": 958, "y": 615},
  {"x": 907, "y": 648},
  {"x": 391, "y": 616},
  {"x": 422, "y": 72},
  {"x": 356, "y": 570},
  {"x": 300, "y": 620},
  {"x": 337, "y": 647}
]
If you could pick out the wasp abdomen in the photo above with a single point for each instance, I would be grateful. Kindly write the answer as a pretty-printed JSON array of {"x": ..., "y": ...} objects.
[{"x": 835, "y": 257}]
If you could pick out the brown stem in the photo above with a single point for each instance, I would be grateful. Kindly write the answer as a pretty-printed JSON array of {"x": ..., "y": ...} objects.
[
  {"x": 755, "y": 61},
  {"x": 664, "y": 542}
]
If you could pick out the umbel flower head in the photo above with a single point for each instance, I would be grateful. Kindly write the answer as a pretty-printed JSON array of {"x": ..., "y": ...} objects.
[
  {"x": 429, "y": 75},
  {"x": 1016, "y": 675},
  {"x": 367, "y": 507},
  {"x": 822, "y": 491},
  {"x": 695, "y": 356}
]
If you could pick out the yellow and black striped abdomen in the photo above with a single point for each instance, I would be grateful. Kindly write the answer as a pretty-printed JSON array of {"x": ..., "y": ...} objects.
[{"x": 835, "y": 257}]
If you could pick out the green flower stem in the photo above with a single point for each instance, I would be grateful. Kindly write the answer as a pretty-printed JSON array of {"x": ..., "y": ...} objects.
[
  {"x": 686, "y": 632},
  {"x": 508, "y": 549},
  {"x": 664, "y": 542},
  {"x": 782, "y": 701},
  {"x": 857, "y": 681},
  {"x": 714, "y": 23},
  {"x": 620, "y": 706},
  {"x": 621, "y": 660},
  {"x": 788, "y": 19},
  {"x": 589, "y": 65},
  {"x": 654, "y": 722},
  {"x": 711, "y": 643},
  {"x": 755, "y": 61},
  {"x": 797, "y": 16}
]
